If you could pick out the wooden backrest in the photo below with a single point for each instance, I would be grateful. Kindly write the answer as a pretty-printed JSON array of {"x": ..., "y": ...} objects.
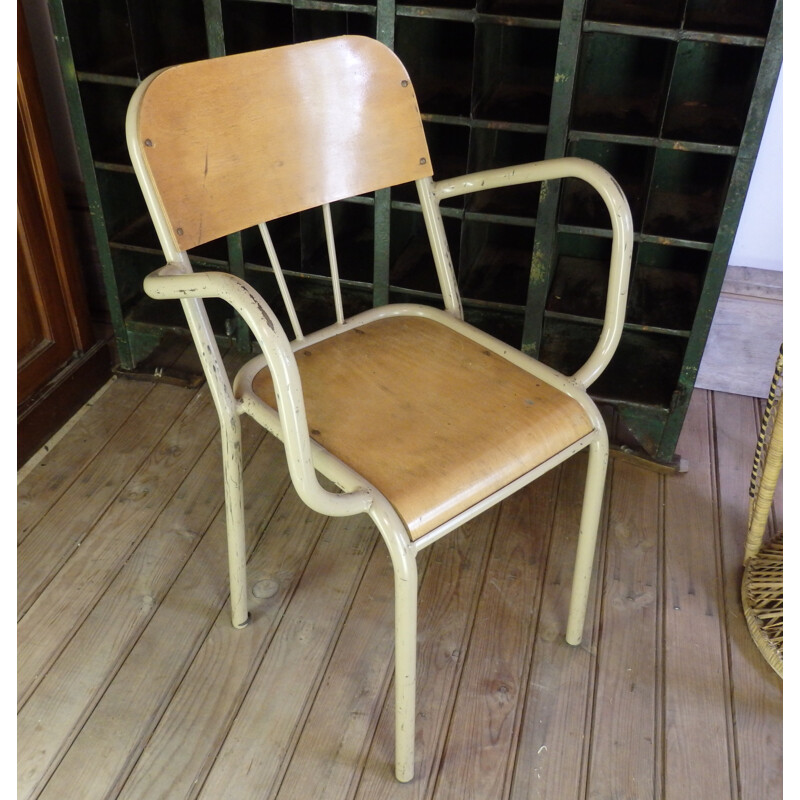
[{"x": 238, "y": 140}]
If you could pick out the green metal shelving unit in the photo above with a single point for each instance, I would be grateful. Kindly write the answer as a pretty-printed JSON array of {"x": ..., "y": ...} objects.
[{"x": 671, "y": 97}]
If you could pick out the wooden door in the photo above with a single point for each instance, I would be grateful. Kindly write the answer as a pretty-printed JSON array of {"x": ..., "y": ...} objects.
[{"x": 59, "y": 361}]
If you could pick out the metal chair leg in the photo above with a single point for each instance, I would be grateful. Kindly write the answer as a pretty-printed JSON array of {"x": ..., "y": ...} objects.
[
  {"x": 234, "y": 517},
  {"x": 587, "y": 538},
  {"x": 405, "y": 659}
]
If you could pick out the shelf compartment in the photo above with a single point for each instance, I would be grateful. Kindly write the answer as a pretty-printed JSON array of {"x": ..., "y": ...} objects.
[
  {"x": 580, "y": 280},
  {"x": 491, "y": 148},
  {"x": 495, "y": 262},
  {"x": 687, "y": 195},
  {"x": 101, "y": 37},
  {"x": 514, "y": 69},
  {"x": 666, "y": 286},
  {"x": 505, "y": 324},
  {"x": 620, "y": 83},
  {"x": 319, "y": 24},
  {"x": 114, "y": 37},
  {"x": 167, "y": 32},
  {"x": 666, "y": 13},
  {"x": 631, "y": 165},
  {"x": 531, "y": 9},
  {"x": 411, "y": 259},
  {"x": 730, "y": 16},
  {"x": 709, "y": 96},
  {"x": 105, "y": 106},
  {"x": 255, "y": 26},
  {"x": 644, "y": 370},
  {"x": 463, "y": 5},
  {"x": 438, "y": 57}
]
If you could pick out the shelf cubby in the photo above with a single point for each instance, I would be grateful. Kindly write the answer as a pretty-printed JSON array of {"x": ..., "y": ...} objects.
[
  {"x": 106, "y": 45},
  {"x": 658, "y": 359},
  {"x": 495, "y": 262},
  {"x": 620, "y": 83},
  {"x": 492, "y": 148},
  {"x": 665, "y": 286},
  {"x": 630, "y": 164},
  {"x": 106, "y": 105},
  {"x": 666, "y": 13},
  {"x": 532, "y": 9},
  {"x": 687, "y": 195},
  {"x": 411, "y": 261},
  {"x": 320, "y": 23},
  {"x": 514, "y": 73},
  {"x": 725, "y": 17},
  {"x": 438, "y": 56},
  {"x": 254, "y": 26},
  {"x": 708, "y": 98}
]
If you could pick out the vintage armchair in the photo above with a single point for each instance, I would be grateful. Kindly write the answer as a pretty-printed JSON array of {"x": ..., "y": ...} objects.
[{"x": 421, "y": 420}]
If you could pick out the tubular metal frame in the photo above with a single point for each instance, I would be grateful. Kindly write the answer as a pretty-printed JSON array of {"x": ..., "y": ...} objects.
[{"x": 176, "y": 280}]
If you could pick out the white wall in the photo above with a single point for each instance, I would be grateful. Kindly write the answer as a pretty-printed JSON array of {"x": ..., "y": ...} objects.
[{"x": 759, "y": 238}]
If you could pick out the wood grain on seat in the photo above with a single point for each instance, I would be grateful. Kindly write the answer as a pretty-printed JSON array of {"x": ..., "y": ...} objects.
[{"x": 434, "y": 420}]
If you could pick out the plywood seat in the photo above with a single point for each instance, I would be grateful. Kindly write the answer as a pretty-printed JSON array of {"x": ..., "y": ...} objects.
[{"x": 430, "y": 418}]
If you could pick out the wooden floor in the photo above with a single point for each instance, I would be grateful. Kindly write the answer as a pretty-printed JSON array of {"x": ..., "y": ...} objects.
[{"x": 132, "y": 683}]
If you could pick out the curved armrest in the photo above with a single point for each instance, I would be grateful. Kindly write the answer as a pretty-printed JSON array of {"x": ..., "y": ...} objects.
[
  {"x": 174, "y": 283},
  {"x": 621, "y": 227}
]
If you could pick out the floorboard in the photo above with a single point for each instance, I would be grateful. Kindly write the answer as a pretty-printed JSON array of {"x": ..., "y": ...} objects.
[{"x": 133, "y": 684}]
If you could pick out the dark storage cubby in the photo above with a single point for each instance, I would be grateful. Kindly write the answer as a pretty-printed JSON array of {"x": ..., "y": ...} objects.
[
  {"x": 106, "y": 105},
  {"x": 580, "y": 278},
  {"x": 532, "y": 9},
  {"x": 411, "y": 261},
  {"x": 630, "y": 164},
  {"x": 687, "y": 195},
  {"x": 670, "y": 97},
  {"x": 124, "y": 209},
  {"x": 751, "y": 18},
  {"x": 491, "y": 148},
  {"x": 495, "y": 262},
  {"x": 505, "y": 324},
  {"x": 568, "y": 343},
  {"x": 254, "y": 26},
  {"x": 438, "y": 56},
  {"x": 662, "y": 14},
  {"x": 101, "y": 37},
  {"x": 463, "y": 5},
  {"x": 621, "y": 84},
  {"x": 514, "y": 73},
  {"x": 665, "y": 286},
  {"x": 319, "y": 24},
  {"x": 708, "y": 99}
]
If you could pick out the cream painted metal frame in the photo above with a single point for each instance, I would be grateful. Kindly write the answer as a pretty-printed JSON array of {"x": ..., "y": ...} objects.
[{"x": 229, "y": 143}]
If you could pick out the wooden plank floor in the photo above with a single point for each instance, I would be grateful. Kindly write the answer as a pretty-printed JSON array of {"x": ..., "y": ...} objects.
[{"x": 132, "y": 683}]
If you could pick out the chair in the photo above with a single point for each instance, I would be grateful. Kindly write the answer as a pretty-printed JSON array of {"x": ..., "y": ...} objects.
[{"x": 419, "y": 419}]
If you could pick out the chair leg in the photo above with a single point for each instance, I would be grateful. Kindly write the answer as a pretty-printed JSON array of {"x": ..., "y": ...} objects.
[
  {"x": 234, "y": 517},
  {"x": 405, "y": 667},
  {"x": 587, "y": 538}
]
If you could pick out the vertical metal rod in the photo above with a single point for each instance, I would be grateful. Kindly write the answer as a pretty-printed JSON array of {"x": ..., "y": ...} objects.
[
  {"x": 337, "y": 288},
  {"x": 284, "y": 289}
]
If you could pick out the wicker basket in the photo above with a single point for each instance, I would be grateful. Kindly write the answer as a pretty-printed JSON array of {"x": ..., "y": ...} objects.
[{"x": 762, "y": 584}]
